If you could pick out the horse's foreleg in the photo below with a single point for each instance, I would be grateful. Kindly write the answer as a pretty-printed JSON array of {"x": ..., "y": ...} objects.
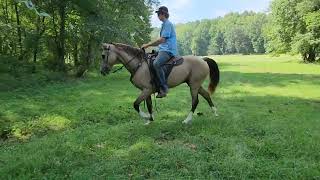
[
  {"x": 195, "y": 102},
  {"x": 143, "y": 96},
  {"x": 207, "y": 97},
  {"x": 149, "y": 106}
]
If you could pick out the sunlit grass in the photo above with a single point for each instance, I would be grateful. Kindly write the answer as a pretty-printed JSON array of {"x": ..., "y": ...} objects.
[{"x": 268, "y": 127}]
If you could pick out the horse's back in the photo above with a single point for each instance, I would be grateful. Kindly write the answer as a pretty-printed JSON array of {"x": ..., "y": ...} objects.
[{"x": 194, "y": 68}]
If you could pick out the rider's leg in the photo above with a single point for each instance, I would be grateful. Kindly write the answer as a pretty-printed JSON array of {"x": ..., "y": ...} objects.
[{"x": 161, "y": 59}]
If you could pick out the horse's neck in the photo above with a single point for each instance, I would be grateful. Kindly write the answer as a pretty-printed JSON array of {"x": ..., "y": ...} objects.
[{"x": 129, "y": 61}]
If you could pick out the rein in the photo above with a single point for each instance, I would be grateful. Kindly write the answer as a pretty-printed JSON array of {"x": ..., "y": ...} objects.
[
  {"x": 124, "y": 65},
  {"x": 135, "y": 70},
  {"x": 127, "y": 63}
]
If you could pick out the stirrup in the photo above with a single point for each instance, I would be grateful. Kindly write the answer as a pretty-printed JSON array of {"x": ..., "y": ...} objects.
[{"x": 161, "y": 95}]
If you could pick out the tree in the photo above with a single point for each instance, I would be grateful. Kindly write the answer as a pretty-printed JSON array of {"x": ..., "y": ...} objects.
[
  {"x": 233, "y": 33},
  {"x": 66, "y": 35},
  {"x": 295, "y": 27},
  {"x": 201, "y": 39},
  {"x": 217, "y": 44}
]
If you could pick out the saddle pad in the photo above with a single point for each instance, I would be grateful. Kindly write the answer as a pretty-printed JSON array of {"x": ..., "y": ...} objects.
[{"x": 175, "y": 61}]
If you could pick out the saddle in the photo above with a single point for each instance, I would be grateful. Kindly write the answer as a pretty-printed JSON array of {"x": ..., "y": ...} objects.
[{"x": 167, "y": 67}]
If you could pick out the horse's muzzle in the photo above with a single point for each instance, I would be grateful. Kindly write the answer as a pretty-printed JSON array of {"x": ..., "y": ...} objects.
[{"x": 103, "y": 73}]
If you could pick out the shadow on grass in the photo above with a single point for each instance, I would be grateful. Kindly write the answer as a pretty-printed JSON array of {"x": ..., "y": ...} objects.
[
  {"x": 26, "y": 119},
  {"x": 37, "y": 112},
  {"x": 109, "y": 100},
  {"x": 89, "y": 129},
  {"x": 252, "y": 133},
  {"x": 268, "y": 79}
]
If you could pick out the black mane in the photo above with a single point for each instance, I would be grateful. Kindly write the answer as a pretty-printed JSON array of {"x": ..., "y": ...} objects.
[{"x": 130, "y": 50}]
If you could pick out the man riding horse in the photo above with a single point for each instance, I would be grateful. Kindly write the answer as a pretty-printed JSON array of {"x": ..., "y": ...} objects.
[
  {"x": 167, "y": 48},
  {"x": 193, "y": 70}
]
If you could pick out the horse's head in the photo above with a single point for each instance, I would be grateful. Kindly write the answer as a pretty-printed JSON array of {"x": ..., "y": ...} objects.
[{"x": 109, "y": 58}]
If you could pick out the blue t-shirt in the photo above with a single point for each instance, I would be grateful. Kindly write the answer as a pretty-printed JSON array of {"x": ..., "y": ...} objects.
[{"x": 168, "y": 32}]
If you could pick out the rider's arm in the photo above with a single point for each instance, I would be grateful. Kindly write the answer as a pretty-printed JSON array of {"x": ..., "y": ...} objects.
[
  {"x": 165, "y": 34},
  {"x": 157, "y": 42}
]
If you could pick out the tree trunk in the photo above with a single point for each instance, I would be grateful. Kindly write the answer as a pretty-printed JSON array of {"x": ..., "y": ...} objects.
[
  {"x": 35, "y": 49},
  {"x": 18, "y": 30},
  {"x": 88, "y": 58},
  {"x": 61, "y": 44},
  {"x": 304, "y": 57},
  {"x": 85, "y": 65},
  {"x": 36, "y": 42},
  {"x": 75, "y": 54},
  {"x": 6, "y": 14},
  {"x": 312, "y": 55},
  {"x": 1, "y": 46}
]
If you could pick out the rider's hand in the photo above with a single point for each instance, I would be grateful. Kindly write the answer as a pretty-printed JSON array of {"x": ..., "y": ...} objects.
[{"x": 144, "y": 46}]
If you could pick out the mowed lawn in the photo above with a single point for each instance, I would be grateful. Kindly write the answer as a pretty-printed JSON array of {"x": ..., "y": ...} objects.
[{"x": 268, "y": 128}]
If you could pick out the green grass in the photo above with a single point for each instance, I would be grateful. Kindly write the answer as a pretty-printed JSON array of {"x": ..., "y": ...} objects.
[{"x": 268, "y": 128}]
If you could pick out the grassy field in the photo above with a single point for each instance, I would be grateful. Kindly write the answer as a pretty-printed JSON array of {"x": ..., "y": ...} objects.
[{"x": 269, "y": 127}]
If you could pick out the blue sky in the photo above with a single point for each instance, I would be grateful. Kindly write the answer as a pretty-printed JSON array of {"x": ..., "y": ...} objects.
[{"x": 182, "y": 11}]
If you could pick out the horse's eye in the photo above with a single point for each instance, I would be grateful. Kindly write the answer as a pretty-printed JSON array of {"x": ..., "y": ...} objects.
[{"x": 103, "y": 56}]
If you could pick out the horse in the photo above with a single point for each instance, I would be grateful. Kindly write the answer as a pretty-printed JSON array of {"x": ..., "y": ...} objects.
[{"x": 193, "y": 71}]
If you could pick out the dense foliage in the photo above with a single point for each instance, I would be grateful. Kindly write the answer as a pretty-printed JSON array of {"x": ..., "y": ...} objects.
[
  {"x": 268, "y": 127},
  {"x": 289, "y": 27},
  {"x": 295, "y": 26},
  {"x": 64, "y": 34},
  {"x": 234, "y": 33}
]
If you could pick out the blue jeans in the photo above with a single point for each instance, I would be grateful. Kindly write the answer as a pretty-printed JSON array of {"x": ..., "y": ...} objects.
[{"x": 161, "y": 59}]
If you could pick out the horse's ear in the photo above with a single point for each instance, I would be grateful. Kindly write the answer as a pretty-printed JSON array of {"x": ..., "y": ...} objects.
[
  {"x": 118, "y": 46},
  {"x": 104, "y": 46}
]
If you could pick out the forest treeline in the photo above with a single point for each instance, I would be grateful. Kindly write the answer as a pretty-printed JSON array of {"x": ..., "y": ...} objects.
[
  {"x": 66, "y": 35},
  {"x": 290, "y": 27}
]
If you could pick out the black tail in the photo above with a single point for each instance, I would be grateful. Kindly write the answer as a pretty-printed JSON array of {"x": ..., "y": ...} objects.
[{"x": 214, "y": 74}]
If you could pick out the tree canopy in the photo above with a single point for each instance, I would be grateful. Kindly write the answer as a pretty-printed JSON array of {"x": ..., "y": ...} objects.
[
  {"x": 289, "y": 27},
  {"x": 295, "y": 28},
  {"x": 64, "y": 34},
  {"x": 235, "y": 33}
]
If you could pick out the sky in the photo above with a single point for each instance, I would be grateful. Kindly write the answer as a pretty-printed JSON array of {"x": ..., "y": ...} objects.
[{"x": 182, "y": 11}]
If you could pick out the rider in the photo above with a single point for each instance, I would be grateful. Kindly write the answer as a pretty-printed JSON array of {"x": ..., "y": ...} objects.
[{"x": 167, "y": 48}]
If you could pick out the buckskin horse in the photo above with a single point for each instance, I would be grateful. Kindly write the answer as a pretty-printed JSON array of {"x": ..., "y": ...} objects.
[{"x": 193, "y": 71}]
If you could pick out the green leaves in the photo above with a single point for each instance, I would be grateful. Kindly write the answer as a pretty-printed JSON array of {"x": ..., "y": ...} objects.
[
  {"x": 31, "y": 6},
  {"x": 234, "y": 33},
  {"x": 295, "y": 27},
  {"x": 67, "y": 33},
  {"x": 312, "y": 21},
  {"x": 43, "y": 14}
]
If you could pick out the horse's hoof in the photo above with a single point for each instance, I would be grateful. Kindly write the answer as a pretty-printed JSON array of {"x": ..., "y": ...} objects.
[
  {"x": 144, "y": 115},
  {"x": 147, "y": 123},
  {"x": 215, "y": 111},
  {"x": 186, "y": 122},
  {"x": 189, "y": 119}
]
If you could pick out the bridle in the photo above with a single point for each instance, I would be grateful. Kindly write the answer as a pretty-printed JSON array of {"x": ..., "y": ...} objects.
[
  {"x": 125, "y": 64},
  {"x": 145, "y": 58}
]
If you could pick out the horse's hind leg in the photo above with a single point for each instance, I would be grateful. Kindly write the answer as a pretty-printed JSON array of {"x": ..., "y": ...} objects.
[
  {"x": 195, "y": 102},
  {"x": 207, "y": 97}
]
